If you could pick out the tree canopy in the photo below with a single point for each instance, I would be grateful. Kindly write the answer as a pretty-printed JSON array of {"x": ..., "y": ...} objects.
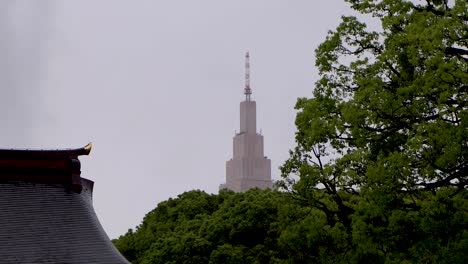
[
  {"x": 379, "y": 171},
  {"x": 197, "y": 227},
  {"x": 382, "y": 144}
]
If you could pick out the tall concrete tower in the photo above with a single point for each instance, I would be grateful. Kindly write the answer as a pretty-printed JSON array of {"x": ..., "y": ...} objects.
[{"x": 248, "y": 168}]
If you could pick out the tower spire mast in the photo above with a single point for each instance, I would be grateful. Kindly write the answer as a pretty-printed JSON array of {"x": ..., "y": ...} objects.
[
  {"x": 247, "y": 90},
  {"x": 249, "y": 167}
]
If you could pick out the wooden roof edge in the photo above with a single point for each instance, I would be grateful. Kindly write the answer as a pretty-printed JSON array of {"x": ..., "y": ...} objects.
[{"x": 45, "y": 153}]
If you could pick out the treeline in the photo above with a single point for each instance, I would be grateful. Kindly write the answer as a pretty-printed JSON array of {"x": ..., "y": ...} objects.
[
  {"x": 228, "y": 227},
  {"x": 264, "y": 226}
]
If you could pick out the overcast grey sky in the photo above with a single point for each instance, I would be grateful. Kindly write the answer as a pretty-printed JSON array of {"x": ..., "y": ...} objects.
[{"x": 156, "y": 86}]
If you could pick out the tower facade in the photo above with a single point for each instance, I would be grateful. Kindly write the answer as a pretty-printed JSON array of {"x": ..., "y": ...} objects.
[{"x": 248, "y": 168}]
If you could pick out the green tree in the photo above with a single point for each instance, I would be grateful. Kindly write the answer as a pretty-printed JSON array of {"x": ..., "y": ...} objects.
[
  {"x": 197, "y": 227},
  {"x": 170, "y": 231},
  {"x": 382, "y": 144}
]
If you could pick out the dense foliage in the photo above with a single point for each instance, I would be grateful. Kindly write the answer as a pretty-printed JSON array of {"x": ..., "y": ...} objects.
[
  {"x": 382, "y": 144},
  {"x": 379, "y": 172},
  {"x": 229, "y": 227}
]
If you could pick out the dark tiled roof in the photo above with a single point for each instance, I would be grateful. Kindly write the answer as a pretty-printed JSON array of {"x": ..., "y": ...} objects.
[
  {"x": 45, "y": 223},
  {"x": 46, "y": 210}
]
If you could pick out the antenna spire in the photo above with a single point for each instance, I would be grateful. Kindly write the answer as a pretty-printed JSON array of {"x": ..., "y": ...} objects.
[{"x": 247, "y": 90}]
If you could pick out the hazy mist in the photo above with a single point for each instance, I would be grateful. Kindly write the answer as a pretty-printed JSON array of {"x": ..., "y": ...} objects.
[{"x": 156, "y": 86}]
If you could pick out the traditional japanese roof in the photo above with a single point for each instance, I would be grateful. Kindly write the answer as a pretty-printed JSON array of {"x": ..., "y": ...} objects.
[
  {"x": 54, "y": 166},
  {"x": 46, "y": 210}
]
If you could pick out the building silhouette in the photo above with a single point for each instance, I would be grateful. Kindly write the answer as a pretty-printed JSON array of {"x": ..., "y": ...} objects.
[
  {"x": 46, "y": 210},
  {"x": 249, "y": 167}
]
